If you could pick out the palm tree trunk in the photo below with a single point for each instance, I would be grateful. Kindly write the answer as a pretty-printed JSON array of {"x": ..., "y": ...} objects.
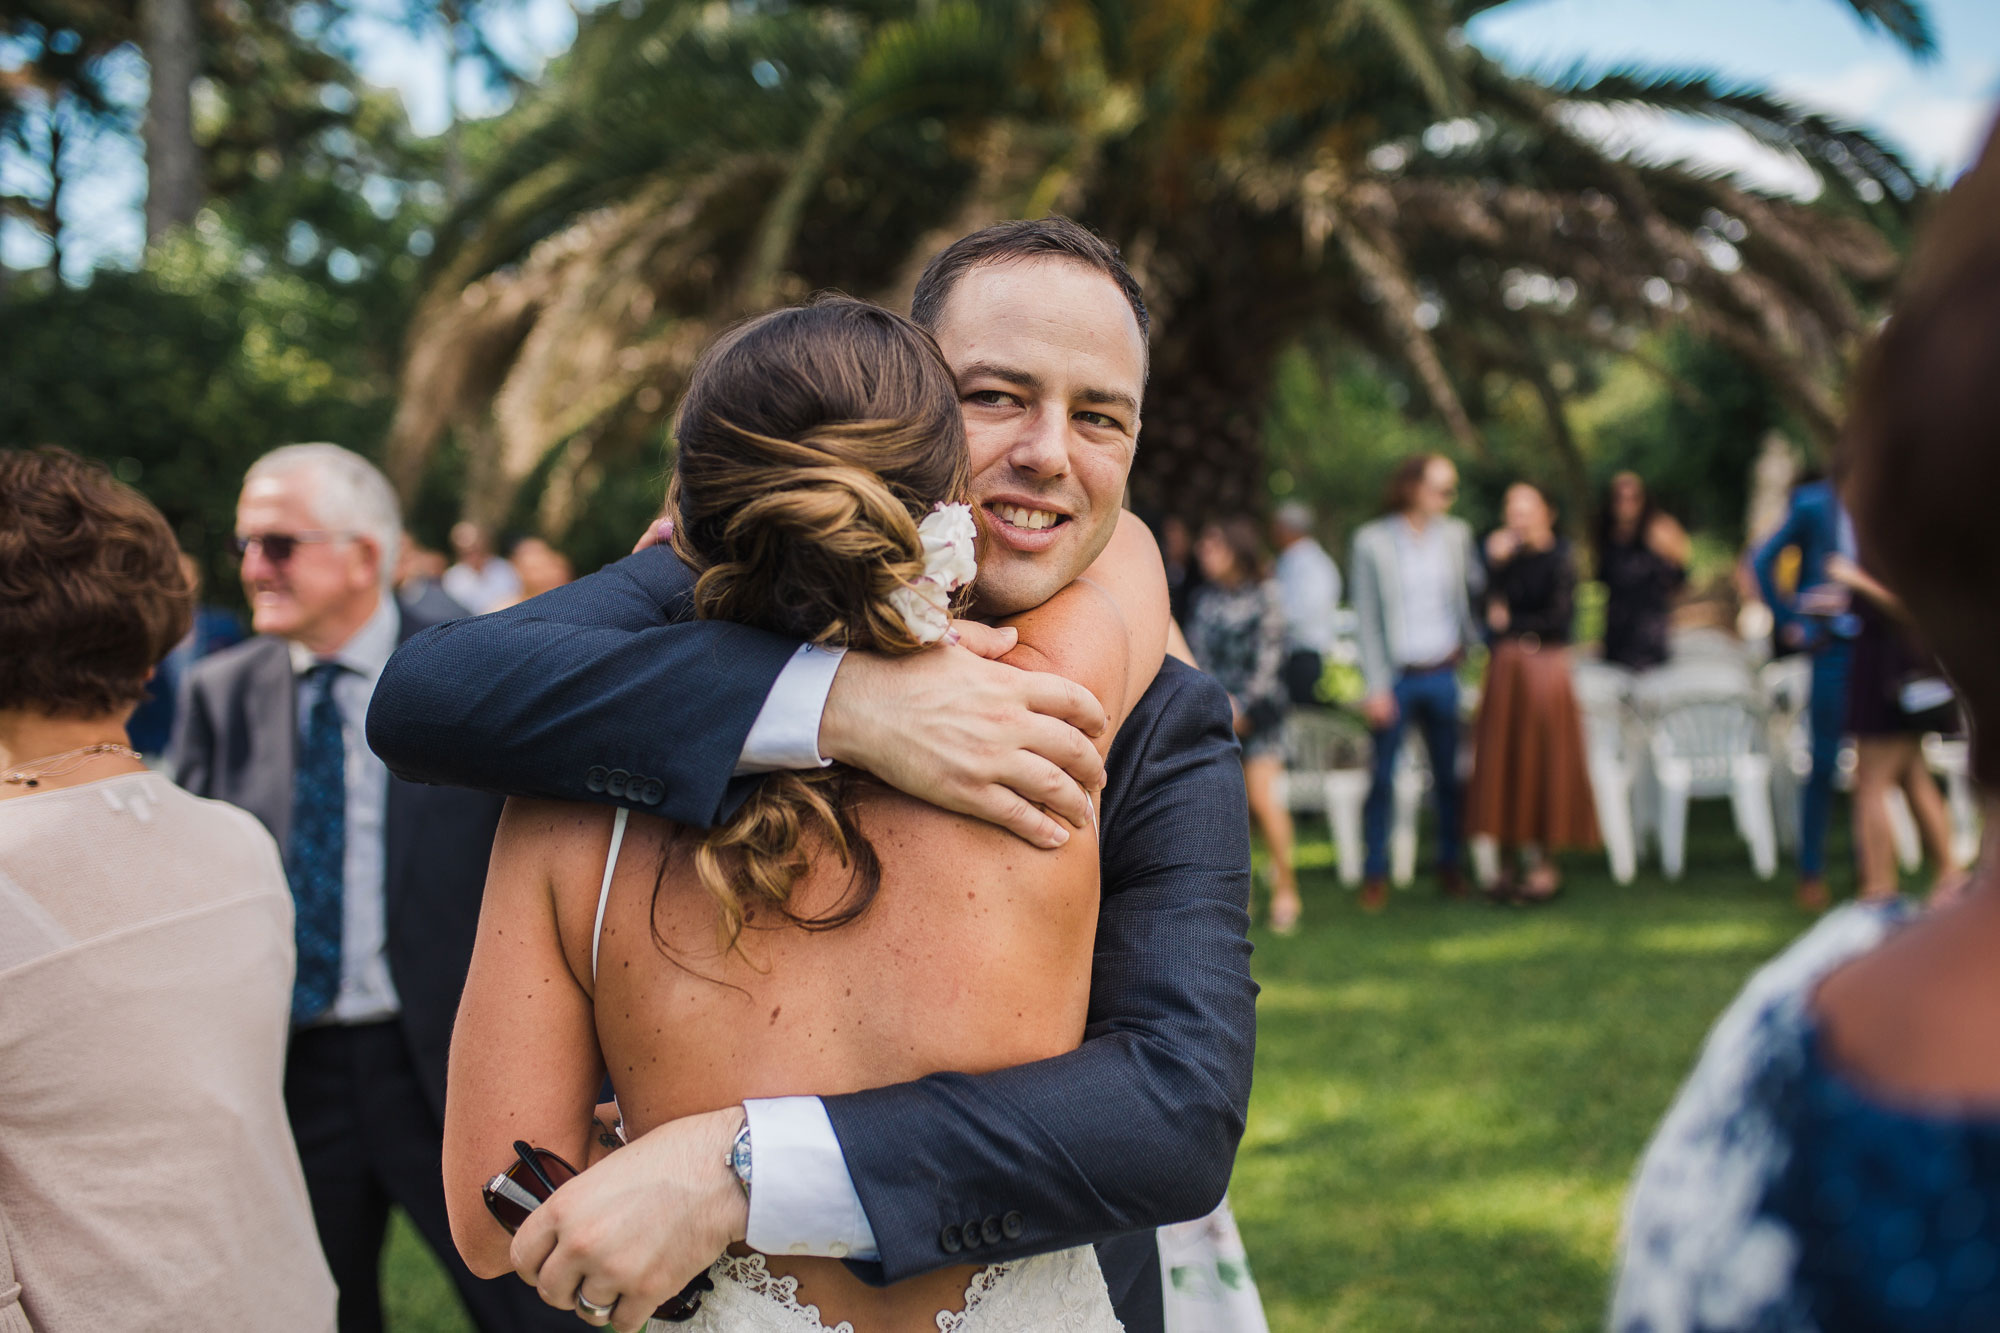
[
  {"x": 170, "y": 38},
  {"x": 54, "y": 216}
]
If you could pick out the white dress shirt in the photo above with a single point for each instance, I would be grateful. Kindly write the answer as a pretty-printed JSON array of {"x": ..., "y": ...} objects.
[
  {"x": 1309, "y": 588},
  {"x": 366, "y": 992},
  {"x": 802, "y": 1197},
  {"x": 1428, "y": 577},
  {"x": 491, "y": 586}
]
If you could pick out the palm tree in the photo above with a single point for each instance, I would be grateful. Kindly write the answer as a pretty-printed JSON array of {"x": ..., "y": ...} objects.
[{"x": 1267, "y": 166}]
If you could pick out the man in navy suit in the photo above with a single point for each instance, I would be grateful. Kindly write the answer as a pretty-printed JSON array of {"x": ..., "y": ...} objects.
[
  {"x": 605, "y": 691},
  {"x": 386, "y": 875}
]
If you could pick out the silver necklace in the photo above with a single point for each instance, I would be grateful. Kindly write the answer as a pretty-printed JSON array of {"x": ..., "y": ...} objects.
[{"x": 32, "y": 774}]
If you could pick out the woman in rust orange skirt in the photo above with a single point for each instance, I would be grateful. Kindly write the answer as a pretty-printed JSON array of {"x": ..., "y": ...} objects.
[{"x": 1530, "y": 780}]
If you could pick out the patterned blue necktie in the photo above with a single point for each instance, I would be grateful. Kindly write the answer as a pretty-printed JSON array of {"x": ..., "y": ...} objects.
[{"x": 316, "y": 857}]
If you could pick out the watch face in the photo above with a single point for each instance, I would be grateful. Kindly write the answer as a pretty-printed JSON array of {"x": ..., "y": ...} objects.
[{"x": 739, "y": 1155}]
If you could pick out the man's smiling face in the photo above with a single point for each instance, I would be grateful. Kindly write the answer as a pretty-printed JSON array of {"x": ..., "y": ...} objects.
[{"x": 1051, "y": 368}]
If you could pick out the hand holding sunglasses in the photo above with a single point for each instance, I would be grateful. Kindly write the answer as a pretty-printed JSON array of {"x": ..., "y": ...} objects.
[{"x": 526, "y": 1184}]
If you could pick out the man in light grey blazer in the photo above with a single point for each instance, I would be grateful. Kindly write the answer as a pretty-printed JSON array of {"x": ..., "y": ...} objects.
[{"x": 1414, "y": 577}]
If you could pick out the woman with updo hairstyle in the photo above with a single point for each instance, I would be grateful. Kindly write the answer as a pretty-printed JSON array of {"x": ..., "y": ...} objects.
[
  {"x": 1834, "y": 1161},
  {"x": 147, "y": 1171},
  {"x": 832, "y": 935}
]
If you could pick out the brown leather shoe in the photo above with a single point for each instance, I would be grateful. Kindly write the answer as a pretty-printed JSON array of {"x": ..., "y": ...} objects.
[
  {"x": 1374, "y": 894},
  {"x": 1451, "y": 883},
  {"x": 1812, "y": 895}
]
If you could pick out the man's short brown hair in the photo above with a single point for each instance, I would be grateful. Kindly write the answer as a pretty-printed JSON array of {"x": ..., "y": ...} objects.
[
  {"x": 1052, "y": 237},
  {"x": 92, "y": 593}
]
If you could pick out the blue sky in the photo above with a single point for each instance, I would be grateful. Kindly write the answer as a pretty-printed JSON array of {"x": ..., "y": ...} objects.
[{"x": 1815, "y": 51}]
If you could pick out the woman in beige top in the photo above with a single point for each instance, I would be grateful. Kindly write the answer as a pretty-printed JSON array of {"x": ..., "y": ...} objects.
[{"x": 147, "y": 1175}]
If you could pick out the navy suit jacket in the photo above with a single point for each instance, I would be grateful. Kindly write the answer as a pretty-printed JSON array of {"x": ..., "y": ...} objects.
[
  {"x": 605, "y": 691},
  {"x": 238, "y": 742}
]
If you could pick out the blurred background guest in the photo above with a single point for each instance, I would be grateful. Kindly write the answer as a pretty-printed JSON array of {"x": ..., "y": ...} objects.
[
  {"x": 1834, "y": 1159},
  {"x": 1895, "y": 695},
  {"x": 419, "y": 582},
  {"x": 214, "y": 628},
  {"x": 1309, "y": 584},
  {"x": 386, "y": 875},
  {"x": 1642, "y": 560},
  {"x": 540, "y": 567},
  {"x": 146, "y": 1171},
  {"x": 1415, "y": 578},
  {"x": 481, "y": 581},
  {"x": 1816, "y": 618},
  {"x": 1237, "y": 633},
  {"x": 1183, "y": 571},
  {"x": 1530, "y": 784}
]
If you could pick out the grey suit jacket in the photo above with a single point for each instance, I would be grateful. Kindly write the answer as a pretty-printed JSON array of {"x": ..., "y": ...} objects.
[
  {"x": 1378, "y": 594},
  {"x": 238, "y": 742}
]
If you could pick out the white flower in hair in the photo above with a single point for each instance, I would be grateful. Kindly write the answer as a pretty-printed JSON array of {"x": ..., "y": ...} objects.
[{"x": 947, "y": 533}]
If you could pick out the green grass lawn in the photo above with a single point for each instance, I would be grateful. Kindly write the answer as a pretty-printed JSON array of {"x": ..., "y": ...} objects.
[{"x": 1450, "y": 1097}]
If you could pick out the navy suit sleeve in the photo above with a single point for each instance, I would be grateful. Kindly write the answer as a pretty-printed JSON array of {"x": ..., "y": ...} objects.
[
  {"x": 603, "y": 690},
  {"x": 1138, "y": 1127}
]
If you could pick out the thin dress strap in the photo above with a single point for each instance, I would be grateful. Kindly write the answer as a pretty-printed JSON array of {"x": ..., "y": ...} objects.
[{"x": 604, "y": 893}]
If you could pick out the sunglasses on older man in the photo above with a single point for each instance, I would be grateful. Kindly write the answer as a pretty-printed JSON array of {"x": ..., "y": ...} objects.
[
  {"x": 278, "y": 547},
  {"x": 527, "y": 1184}
]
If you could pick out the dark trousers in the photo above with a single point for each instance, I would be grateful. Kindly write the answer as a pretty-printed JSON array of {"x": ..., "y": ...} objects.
[
  {"x": 368, "y": 1138},
  {"x": 1429, "y": 700},
  {"x": 1827, "y": 714},
  {"x": 1303, "y": 668}
]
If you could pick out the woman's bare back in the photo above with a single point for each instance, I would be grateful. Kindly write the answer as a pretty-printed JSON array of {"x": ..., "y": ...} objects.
[{"x": 974, "y": 955}]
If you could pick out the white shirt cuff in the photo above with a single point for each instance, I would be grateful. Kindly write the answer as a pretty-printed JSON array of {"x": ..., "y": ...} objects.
[
  {"x": 786, "y": 732},
  {"x": 802, "y": 1199}
]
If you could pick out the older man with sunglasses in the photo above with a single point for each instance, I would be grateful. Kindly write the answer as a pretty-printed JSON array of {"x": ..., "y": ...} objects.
[{"x": 386, "y": 875}]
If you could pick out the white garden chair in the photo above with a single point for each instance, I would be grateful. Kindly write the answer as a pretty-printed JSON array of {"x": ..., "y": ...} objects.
[
  {"x": 1603, "y": 695},
  {"x": 1324, "y": 773},
  {"x": 1710, "y": 747},
  {"x": 1952, "y": 761}
]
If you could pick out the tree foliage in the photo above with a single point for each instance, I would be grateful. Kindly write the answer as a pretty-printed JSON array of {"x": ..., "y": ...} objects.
[{"x": 1270, "y": 167}]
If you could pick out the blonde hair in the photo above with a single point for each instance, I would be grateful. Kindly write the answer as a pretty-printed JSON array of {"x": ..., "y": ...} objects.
[{"x": 811, "y": 442}]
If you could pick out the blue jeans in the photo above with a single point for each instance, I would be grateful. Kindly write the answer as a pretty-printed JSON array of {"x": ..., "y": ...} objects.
[
  {"x": 1430, "y": 700},
  {"x": 1827, "y": 717}
]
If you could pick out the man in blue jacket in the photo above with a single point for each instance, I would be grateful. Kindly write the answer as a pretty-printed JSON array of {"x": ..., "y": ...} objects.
[
  {"x": 605, "y": 691},
  {"x": 1815, "y": 619}
]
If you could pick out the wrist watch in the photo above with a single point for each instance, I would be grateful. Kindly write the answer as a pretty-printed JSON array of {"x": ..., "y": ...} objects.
[{"x": 738, "y": 1159}]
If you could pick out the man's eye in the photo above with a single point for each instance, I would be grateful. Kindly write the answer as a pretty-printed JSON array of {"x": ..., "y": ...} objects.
[
  {"x": 991, "y": 397},
  {"x": 1098, "y": 419}
]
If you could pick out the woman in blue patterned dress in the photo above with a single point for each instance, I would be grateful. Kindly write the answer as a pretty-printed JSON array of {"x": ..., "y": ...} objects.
[{"x": 1834, "y": 1161}]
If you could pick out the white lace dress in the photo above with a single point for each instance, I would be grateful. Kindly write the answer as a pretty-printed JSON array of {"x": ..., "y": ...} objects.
[{"x": 1062, "y": 1291}]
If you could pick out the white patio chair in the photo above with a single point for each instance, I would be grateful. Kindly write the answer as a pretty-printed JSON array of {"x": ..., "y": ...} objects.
[
  {"x": 1709, "y": 747},
  {"x": 1324, "y": 773},
  {"x": 1602, "y": 695},
  {"x": 1952, "y": 761}
]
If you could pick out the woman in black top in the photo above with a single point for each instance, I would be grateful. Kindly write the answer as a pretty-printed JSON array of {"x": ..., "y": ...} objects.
[
  {"x": 1642, "y": 558},
  {"x": 1530, "y": 781}
]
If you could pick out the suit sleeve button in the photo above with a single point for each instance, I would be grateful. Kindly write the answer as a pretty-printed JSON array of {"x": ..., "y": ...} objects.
[
  {"x": 615, "y": 784},
  {"x": 949, "y": 1240},
  {"x": 973, "y": 1238},
  {"x": 989, "y": 1231},
  {"x": 595, "y": 779},
  {"x": 653, "y": 791},
  {"x": 1010, "y": 1226}
]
